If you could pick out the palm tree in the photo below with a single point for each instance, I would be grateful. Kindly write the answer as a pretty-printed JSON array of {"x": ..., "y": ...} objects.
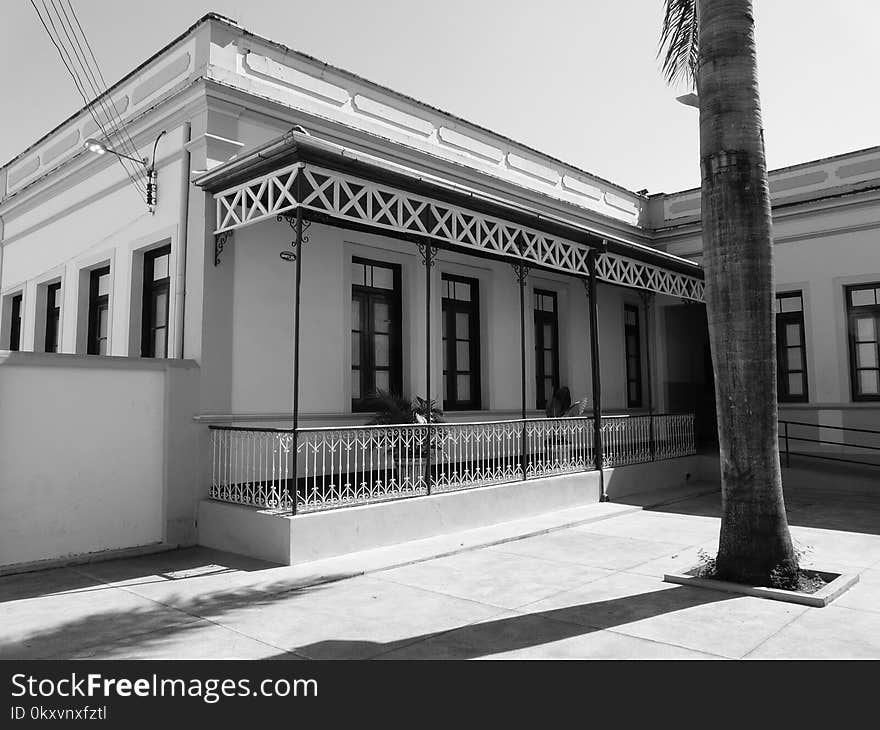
[{"x": 711, "y": 45}]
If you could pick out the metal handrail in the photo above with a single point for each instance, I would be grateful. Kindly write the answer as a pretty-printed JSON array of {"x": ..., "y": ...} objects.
[
  {"x": 787, "y": 437},
  {"x": 355, "y": 427}
]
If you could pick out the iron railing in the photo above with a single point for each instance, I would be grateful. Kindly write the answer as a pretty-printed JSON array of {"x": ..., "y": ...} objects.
[
  {"x": 338, "y": 467},
  {"x": 800, "y": 433}
]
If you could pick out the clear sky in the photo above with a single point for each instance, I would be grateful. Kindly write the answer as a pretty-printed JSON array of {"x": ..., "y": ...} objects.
[{"x": 578, "y": 80}]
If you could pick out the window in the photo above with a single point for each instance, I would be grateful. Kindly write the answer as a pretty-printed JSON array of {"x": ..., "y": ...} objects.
[
  {"x": 461, "y": 343},
  {"x": 15, "y": 323},
  {"x": 791, "y": 351},
  {"x": 99, "y": 311},
  {"x": 375, "y": 331},
  {"x": 546, "y": 347},
  {"x": 53, "y": 316},
  {"x": 632, "y": 342},
  {"x": 863, "y": 315},
  {"x": 154, "y": 334}
]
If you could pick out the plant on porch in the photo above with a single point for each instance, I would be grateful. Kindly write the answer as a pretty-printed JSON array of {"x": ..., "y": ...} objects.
[
  {"x": 710, "y": 44},
  {"x": 393, "y": 409}
]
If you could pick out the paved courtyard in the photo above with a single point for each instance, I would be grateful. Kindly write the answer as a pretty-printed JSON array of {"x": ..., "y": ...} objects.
[{"x": 592, "y": 590}]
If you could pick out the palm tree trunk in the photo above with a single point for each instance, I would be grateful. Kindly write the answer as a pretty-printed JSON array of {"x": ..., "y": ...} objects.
[{"x": 738, "y": 263}]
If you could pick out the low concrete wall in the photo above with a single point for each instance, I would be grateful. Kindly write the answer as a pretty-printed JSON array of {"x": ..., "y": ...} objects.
[
  {"x": 289, "y": 540},
  {"x": 94, "y": 454}
]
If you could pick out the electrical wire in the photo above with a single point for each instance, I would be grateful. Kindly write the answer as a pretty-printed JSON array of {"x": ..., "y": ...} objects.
[
  {"x": 126, "y": 138},
  {"x": 106, "y": 104},
  {"x": 62, "y": 54}
]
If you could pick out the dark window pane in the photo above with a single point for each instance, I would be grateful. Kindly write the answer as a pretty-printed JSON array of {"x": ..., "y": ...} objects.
[
  {"x": 103, "y": 285},
  {"x": 792, "y": 334},
  {"x": 869, "y": 382},
  {"x": 159, "y": 342},
  {"x": 355, "y": 349},
  {"x": 382, "y": 278},
  {"x": 789, "y": 303},
  {"x": 463, "y": 384},
  {"x": 355, "y": 384},
  {"x": 382, "y": 352},
  {"x": 383, "y": 380},
  {"x": 462, "y": 291},
  {"x": 862, "y": 297},
  {"x": 102, "y": 323},
  {"x": 796, "y": 384},
  {"x": 381, "y": 317},
  {"x": 795, "y": 358},
  {"x": 160, "y": 267},
  {"x": 548, "y": 362},
  {"x": 355, "y": 314},
  {"x": 161, "y": 309},
  {"x": 357, "y": 274},
  {"x": 462, "y": 356},
  {"x": 866, "y": 356},
  {"x": 865, "y": 330},
  {"x": 462, "y": 325}
]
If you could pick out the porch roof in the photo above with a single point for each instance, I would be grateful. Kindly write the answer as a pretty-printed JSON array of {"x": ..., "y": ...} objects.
[{"x": 355, "y": 189}]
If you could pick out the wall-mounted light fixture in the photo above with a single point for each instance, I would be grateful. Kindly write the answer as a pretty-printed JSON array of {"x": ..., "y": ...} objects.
[
  {"x": 99, "y": 148},
  {"x": 689, "y": 100}
]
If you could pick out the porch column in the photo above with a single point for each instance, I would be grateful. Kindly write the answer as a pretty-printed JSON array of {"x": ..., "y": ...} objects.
[
  {"x": 522, "y": 273},
  {"x": 648, "y": 300},
  {"x": 597, "y": 378},
  {"x": 428, "y": 254},
  {"x": 296, "y": 256}
]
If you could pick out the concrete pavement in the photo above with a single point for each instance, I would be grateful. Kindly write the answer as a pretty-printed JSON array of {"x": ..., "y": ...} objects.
[{"x": 586, "y": 584}]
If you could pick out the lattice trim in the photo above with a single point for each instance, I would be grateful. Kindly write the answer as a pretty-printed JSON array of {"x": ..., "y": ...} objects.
[{"x": 344, "y": 196}]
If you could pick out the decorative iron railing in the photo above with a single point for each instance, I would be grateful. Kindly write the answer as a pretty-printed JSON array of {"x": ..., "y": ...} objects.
[{"x": 339, "y": 467}]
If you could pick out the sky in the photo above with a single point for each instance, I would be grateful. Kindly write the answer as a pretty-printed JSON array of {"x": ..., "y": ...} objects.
[{"x": 576, "y": 79}]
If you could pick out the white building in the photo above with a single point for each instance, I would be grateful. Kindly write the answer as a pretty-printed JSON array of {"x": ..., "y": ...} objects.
[{"x": 167, "y": 330}]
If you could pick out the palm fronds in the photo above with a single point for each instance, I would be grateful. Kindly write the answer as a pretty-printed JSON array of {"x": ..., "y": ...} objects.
[{"x": 679, "y": 42}]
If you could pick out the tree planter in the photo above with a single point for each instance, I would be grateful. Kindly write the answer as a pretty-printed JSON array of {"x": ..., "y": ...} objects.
[{"x": 836, "y": 584}]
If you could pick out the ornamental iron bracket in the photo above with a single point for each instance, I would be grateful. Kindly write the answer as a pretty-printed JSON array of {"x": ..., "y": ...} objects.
[
  {"x": 291, "y": 219},
  {"x": 521, "y": 271},
  {"x": 428, "y": 253},
  {"x": 220, "y": 241}
]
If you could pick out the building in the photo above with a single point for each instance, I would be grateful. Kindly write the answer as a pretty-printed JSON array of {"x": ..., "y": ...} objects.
[{"x": 316, "y": 238}]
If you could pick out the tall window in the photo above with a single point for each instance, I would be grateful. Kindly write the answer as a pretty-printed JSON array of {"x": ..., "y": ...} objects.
[
  {"x": 632, "y": 341},
  {"x": 791, "y": 351},
  {"x": 546, "y": 346},
  {"x": 461, "y": 343},
  {"x": 154, "y": 335},
  {"x": 53, "y": 316},
  {"x": 375, "y": 331},
  {"x": 863, "y": 315},
  {"x": 99, "y": 311},
  {"x": 15, "y": 323}
]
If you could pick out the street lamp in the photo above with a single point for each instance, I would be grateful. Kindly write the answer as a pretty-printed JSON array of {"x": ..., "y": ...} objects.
[{"x": 99, "y": 148}]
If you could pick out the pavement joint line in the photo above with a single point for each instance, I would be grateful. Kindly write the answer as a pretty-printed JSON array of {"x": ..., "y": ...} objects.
[
  {"x": 183, "y": 611},
  {"x": 667, "y": 643},
  {"x": 784, "y": 626}
]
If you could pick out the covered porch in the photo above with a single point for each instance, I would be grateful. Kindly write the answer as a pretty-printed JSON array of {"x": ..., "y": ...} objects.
[{"x": 393, "y": 280}]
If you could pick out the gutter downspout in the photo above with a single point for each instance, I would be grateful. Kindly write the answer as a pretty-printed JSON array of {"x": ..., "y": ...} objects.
[{"x": 180, "y": 267}]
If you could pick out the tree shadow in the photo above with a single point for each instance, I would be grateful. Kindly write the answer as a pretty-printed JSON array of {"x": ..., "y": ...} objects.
[
  {"x": 519, "y": 632},
  {"x": 176, "y": 627}
]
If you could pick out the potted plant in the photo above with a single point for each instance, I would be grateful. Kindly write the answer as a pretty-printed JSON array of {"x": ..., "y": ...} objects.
[{"x": 393, "y": 409}]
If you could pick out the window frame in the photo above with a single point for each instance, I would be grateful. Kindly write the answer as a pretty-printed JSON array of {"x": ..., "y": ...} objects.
[
  {"x": 540, "y": 318},
  {"x": 150, "y": 293},
  {"x": 97, "y": 303},
  {"x": 367, "y": 297},
  {"x": 449, "y": 308},
  {"x": 783, "y": 395},
  {"x": 853, "y": 312},
  {"x": 16, "y": 305},
  {"x": 52, "y": 332},
  {"x": 635, "y": 329}
]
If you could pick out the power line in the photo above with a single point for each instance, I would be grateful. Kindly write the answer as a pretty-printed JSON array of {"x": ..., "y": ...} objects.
[
  {"x": 105, "y": 104},
  {"x": 121, "y": 125},
  {"x": 64, "y": 59}
]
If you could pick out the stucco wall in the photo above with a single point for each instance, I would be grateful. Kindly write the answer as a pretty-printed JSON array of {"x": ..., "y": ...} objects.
[
  {"x": 97, "y": 454},
  {"x": 261, "y": 324}
]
